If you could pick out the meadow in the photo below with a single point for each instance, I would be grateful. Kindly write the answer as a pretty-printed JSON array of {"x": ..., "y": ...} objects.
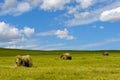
[{"x": 85, "y": 65}]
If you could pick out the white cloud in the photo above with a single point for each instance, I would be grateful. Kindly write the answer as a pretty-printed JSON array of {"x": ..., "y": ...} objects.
[
  {"x": 11, "y": 34},
  {"x": 78, "y": 12},
  {"x": 23, "y": 7},
  {"x": 85, "y": 3},
  {"x": 18, "y": 7},
  {"x": 7, "y": 6},
  {"x": 13, "y": 7},
  {"x": 72, "y": 10},
  {"x": 28, "y": 31},
  {"x": 111, "y": 15},
  {"x": 62, "y": 34},
  {"x": 70, "y": 18},
  {"x": 9, "y": 3},
  {"x": 53, "y": 4}
]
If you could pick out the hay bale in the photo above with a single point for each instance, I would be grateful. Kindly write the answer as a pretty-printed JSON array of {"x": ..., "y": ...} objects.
[
  {"x": 25, "y": 61},
  {"x": 66, "y": 56},
  {"x": 105, "y": 54}
]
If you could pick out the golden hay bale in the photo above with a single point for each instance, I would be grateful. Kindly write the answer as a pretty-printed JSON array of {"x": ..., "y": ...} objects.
[
  {"x": 25, "y": 61},
  {"x": 66, "y": 56},
  {"x": 105, "y": 54}
]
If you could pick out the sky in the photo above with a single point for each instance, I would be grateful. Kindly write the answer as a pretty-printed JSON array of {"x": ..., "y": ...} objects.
[{"x": 60, "y": 24}]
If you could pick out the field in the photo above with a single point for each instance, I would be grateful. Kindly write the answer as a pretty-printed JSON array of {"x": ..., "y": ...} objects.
[{"x": 85, "y": 65}]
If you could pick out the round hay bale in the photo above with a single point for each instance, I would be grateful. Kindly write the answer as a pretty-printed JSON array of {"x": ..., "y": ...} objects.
[
  {"x": 25, "y": 61},
  {"x": 66, "y": 56},
  {"x": 105, "y": 54}
]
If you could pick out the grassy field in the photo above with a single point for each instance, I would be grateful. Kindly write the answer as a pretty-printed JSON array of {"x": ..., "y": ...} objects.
[{"x": 85, "y": 65}]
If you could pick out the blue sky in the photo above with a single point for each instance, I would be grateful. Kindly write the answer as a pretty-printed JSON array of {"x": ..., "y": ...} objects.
[{"x": 60, "y": 24}]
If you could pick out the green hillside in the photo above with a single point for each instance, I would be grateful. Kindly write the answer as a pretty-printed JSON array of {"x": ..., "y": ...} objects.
[{"x": 14, "y": 52}]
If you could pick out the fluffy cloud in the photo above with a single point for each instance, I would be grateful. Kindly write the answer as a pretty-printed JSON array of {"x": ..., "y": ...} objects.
[
  {"x": 19, "y": 7},
  {"x": 23, "y": 7},
  {"x": 9, "y": 3},
  {"x": 11, "y": 34},
  {"x": 78, "y": 12},
  {"x": 77, "y": 16},
  {"x": 62, "y": 34},
  {"x": 81, "y": 4},
  {"x": 14, "y": 7},
  {"x": 111, "y": 15},
  {"x": 85, "y": 3},
  {"x": 53, "y": 4},
  {"x": 28, "y": 31}
]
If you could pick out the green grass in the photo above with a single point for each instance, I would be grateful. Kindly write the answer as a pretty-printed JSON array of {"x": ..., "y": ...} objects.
[{"x": 86, "y": 65}]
